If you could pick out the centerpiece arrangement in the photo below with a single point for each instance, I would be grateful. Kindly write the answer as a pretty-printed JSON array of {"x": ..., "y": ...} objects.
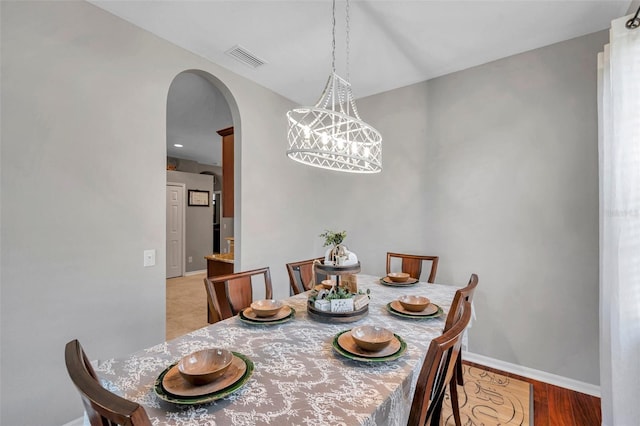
[
  {"x": 341, "y": 302},
  {"x": 337, "y": 254}
]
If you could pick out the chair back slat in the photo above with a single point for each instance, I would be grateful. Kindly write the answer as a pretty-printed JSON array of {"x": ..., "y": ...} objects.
[
  {"x": 301, "y": 275},
  {"x": 437, "y": 370},
  {"x": 231, "y": 293},
  {"x": 103, "y": 407},
  {"x": 239, "y": 293},
  {"x": 463, "y": 294},
  {"x": 412, "y": 264}
]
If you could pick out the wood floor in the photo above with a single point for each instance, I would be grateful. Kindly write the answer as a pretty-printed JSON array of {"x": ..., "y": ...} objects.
[
  {"x": 556, "y": 406},
  {"x": 553, "y": 406}
]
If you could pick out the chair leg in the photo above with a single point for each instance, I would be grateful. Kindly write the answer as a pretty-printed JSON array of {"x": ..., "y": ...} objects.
[
  {"x": 437, "y": 412},
  {"x": 455, "y": 406},
  {"x": 458, "y": 372}
]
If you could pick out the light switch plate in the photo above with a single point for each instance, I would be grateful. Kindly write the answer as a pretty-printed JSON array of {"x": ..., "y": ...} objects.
[{"x": 149, "y": 257}]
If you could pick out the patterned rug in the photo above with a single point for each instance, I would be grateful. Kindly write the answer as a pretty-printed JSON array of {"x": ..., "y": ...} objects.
[{"x": 489, "y": 399}]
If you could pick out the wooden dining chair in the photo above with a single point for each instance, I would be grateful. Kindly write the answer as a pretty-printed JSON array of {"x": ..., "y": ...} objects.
[
  {"x": 103, "y": 407},
  {"x": 437, "y": 370},
  {"x": 462, "y": 295},
  {"x": 301, "y": 275},
  {"x": 229, "y": 294},
  {"x": 412, "y": 264}
]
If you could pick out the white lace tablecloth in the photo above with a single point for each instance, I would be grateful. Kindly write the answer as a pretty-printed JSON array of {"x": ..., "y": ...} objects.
[{"x": 298, "y": 378}]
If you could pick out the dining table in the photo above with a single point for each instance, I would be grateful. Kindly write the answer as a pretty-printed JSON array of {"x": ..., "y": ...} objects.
[{"x": 299, "y": 377}]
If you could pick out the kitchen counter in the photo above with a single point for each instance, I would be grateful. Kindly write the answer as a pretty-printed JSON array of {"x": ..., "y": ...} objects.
[{"x": 220, "y": 257}]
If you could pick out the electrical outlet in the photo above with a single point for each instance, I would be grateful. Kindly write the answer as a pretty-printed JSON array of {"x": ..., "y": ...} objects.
[
  {"x": 190, "y": 259},
  {"x": 149, "y": 257}
]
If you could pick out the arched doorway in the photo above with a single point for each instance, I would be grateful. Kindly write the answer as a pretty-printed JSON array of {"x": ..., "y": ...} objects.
[
  {"x": 198, "y": 106},
  {"x": 197, "y": 109}
]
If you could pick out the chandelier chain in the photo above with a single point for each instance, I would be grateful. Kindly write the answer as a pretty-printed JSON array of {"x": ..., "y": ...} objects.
[
  {"x": 348, "y": 41},
  {"x": 333, "y": 44},
  {"x": 331, "y": 135}
]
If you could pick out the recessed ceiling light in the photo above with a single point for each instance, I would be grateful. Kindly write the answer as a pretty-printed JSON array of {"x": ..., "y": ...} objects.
[{"x": 177, "y": 145}]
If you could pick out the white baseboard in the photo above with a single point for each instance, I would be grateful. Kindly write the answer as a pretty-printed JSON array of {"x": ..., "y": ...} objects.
[
  {"x": 542, "y": 376},
  {"x": 202, "y": 271}
]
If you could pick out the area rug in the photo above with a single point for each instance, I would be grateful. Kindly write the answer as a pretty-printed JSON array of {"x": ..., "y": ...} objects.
[{"x": 489, "y": 399}]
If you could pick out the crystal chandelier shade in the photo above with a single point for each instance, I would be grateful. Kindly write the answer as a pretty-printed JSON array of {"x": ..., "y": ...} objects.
[{"x": 331, "y": 135}]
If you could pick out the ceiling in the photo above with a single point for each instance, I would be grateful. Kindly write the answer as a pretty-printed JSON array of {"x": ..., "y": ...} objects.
[
  {"x": 196, "y": 110},
  {"x": 393, "y": 43}
]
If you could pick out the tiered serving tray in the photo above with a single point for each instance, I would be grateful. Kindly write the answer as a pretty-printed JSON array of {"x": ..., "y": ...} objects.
[
  {"x": 338, "y": 270},
  {"x": 337, "y": 317}
]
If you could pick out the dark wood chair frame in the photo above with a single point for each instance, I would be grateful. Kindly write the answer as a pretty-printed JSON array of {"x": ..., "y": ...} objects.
[
  {"x": 412, "y": 264},
  {"x": 301, "y": 274},
  {"x": 229, "y": 294},
  {"x": 103, "y": 407},
  {"x": 462, "y": 295},
  {"x": 438, "y": 370}
]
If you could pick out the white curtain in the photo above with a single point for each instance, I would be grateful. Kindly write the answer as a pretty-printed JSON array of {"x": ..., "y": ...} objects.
[{"x": 619, "y": 157}]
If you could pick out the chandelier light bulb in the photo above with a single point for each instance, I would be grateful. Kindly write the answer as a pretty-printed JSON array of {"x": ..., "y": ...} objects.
[
  {"x": 325, "y": 138},
  {"x": 307, "y": 132}
]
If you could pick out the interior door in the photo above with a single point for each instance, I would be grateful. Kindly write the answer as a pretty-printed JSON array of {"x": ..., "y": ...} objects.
[{"x": 175, "y": 230}]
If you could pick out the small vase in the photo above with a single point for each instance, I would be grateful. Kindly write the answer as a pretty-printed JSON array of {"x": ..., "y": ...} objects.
[{"x": 336, "y": 255}]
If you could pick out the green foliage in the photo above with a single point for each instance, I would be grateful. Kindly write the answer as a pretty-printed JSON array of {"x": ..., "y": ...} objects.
[
  {"x": 333, "y": 238},
  {"x": 368, "y": 293},
  {"x": 339, "y": 293}
]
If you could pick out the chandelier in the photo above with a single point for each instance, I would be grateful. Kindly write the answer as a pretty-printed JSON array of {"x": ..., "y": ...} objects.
[{"x": 331, "y": 135}]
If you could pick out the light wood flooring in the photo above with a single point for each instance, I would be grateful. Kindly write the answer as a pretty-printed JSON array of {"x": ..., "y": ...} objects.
[
  {"x": 553, "y": 406},
  {"x": 186, "y": 305}
]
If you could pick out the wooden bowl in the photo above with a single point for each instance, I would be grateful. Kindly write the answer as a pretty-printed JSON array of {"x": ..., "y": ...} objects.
[
  {"x": 266, "y": 308},
  {"x": 371, "y": 337},
  {"x": 327, "y": 284},
  {"x": 203, "y": 367},
  {"x": 398, "y": 277},
  {"x": 414, "y": 303}
]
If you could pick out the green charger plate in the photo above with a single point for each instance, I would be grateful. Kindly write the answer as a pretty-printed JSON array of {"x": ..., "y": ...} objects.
[
  {"x": 346, "y": 354},
  {"x": 203, "y": 399},
  {"x": 399, "y": 284},
  {"x": 246, "y": 320},
  {"x": 392, "y": 311}
]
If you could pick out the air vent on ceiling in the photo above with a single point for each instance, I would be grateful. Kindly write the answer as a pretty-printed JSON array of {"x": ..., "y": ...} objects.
[{"x": 244, "y": 56}]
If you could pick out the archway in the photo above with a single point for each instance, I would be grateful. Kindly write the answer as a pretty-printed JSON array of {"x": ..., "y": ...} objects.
[{"x": 198, "y": 106}]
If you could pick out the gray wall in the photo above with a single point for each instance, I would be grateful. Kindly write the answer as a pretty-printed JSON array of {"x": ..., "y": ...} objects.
[
  {"x": 493, "y": 168},
  {"x": 500, "y": 162},
  {"x": 198, "y": 233},
  {"x": 84, "y": 98}
]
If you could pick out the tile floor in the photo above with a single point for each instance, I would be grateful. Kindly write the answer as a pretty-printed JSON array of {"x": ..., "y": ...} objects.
[{"x": 186, "y": 305}]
